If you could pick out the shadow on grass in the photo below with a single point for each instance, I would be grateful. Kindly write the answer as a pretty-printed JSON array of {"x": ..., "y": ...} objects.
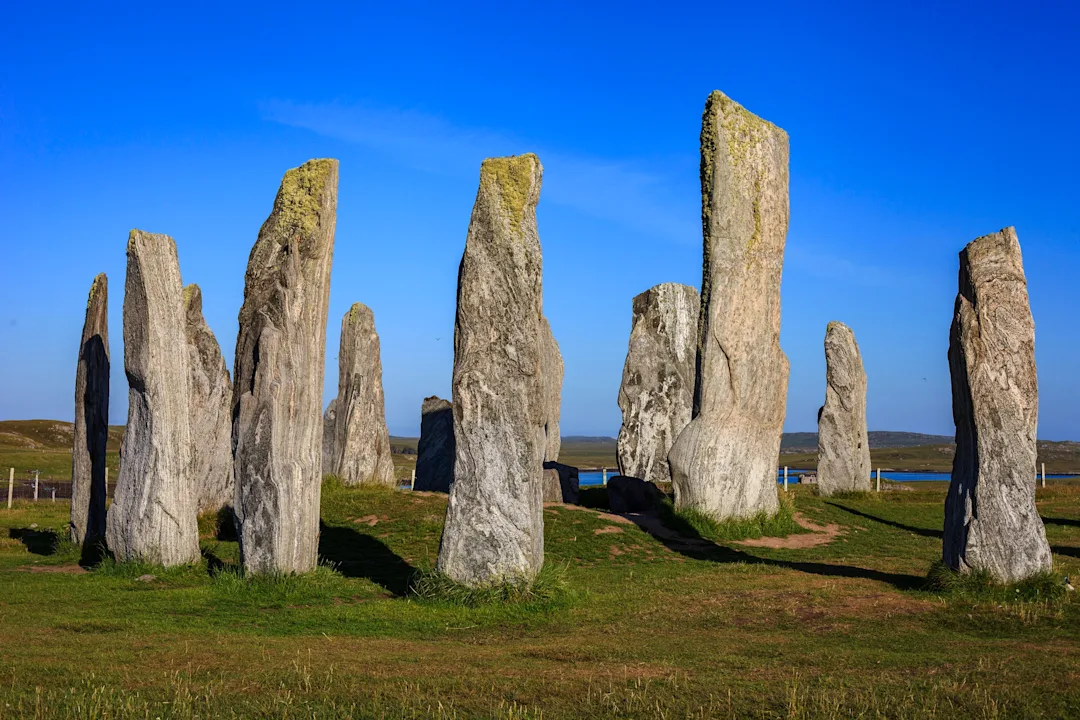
[
  {"x": 891, "y": 523},
  {"x": 1065, "y": 550},
  {"x": 1067, "y": 522},
  {"x": 356, "y": 555},
  {"x": 39, "y": 542},
  {"x": 688, "y": 542}
]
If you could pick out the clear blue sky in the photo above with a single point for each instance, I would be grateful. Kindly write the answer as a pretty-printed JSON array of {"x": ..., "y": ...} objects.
[{"x": 915, "y": 127}]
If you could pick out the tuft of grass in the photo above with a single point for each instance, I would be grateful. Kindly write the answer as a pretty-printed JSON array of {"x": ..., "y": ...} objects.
[
  {"x": 981, "y": 585},
  {"x": 276, "y": 590},
  {"x": 692, "y": 521},
  {"x": 549, "y": 587}
]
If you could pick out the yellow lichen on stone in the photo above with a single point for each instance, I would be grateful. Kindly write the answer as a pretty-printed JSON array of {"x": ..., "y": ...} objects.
[
  {"x": 99, "y": 280},
  {"x": 189, "y": 293},
  {"x": 300, "y": 198},
  {"x": 511, "y": 178},
  {"x": 354, "y": 312}
]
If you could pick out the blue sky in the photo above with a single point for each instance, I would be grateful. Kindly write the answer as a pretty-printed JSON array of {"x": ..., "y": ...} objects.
[{"x": 915, "y": 127}]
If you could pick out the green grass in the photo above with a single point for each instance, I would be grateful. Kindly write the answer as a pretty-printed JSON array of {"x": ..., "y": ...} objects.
[
  {"x": 692, "y": 521},
  {"x": 639, "y": 626},
  {"x": 548, "y": 588}
]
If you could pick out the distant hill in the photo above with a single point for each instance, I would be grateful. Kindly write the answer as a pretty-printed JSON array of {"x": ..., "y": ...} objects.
[{"x": 879, "y": 440}]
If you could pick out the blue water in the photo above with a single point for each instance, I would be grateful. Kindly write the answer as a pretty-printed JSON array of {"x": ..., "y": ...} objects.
[{"x": 596, "y": 478}]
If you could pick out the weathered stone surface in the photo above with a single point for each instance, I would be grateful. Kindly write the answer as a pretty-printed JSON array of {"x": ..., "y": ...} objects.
[
  {"x": 494, "y": 528},
  {"x": 278, "y": 375},
  {"x": 724, "y": 461},
  {"x": 561, "y": 483},
  {"x": 361, "y": 449},
  {"x": 211, "y": 402},
  {"x": 991, "y": 523},
  {"x": 551, "y": 370},
  {"x": 843, "y": 446},
  {"x": 152, "y": 517},
  {"x": 91, "y": 420},
  {"x": 657, "y": 392},
  {"x": 329, "y": 430},
  {"x": 436, "y": 451},
  {"x": 630, "y": 494}
]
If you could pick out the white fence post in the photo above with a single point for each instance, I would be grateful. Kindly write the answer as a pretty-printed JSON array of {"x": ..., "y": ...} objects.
[
  {"x": 604, "y": 471},
  {"x": 412, "y": 480},
  {"x": 1044, "y": 474},
  {"x": 54, "y": 494},
  {"x": 36, "y": 473},
  {"x": 879, "y": 480},
  {"x": 10, "y": 487},
  {"x": 785, "y": 478}
]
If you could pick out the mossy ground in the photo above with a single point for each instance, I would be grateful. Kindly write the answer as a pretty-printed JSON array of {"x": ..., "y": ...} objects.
[{"x": 648, "y": 627}]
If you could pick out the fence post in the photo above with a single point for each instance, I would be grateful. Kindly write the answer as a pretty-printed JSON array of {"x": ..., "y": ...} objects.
[
  {"x": 604, "y": 471},
  {"x": 36, "y": 473},
  {"x": 879, "y": 480},
  {"x": 10, "y": 487},
  {"x": 785, "y": 478},
  {"x": 1044, "y": 474},
  {"x": 106, "y": 481},
  {"x": 54, "y": 494},
  {"x": 412, "y": 481}
]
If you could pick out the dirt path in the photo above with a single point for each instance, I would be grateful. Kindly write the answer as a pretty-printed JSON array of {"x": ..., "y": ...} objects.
[{"x": 818, "y": 535}]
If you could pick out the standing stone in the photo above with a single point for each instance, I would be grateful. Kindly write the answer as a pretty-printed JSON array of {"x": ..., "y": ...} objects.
[
  {"x": 152, "y": 517},
  {"x": 724, "y": 461},
  {"x": 991, "y": 523},
  {"x": 494, "y": 529},
  {"x": 552, "y": 370},
  {"x": 843, "y": 445},
  {"x": 278, "y": 375},
  {"x": 211, "y": 401},
  {"x": 329, "y": 430},
  {"x": 435, "y": 453},
  {"x": 91, "y": 420},
  {"x": 657, "y": 392},
  {"x": 361, "y": 452}
]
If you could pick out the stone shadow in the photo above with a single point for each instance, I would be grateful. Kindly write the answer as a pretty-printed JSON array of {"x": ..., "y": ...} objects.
[
  {"x": 357, "y": 555},
  {"x": 38, "y": 542},
  {"x": 689, "y": 543},
  {"x": 891, "y": 523},
  {"x": 1066, "y": 522},
  {"x": 1065, "y": 550}
]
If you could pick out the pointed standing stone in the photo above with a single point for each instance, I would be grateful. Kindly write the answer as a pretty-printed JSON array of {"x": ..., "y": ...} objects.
[
  {"x": 724, "y": 461},
  {"x": 843, "y": 445},
  {"x": 211, "y": 401},
  {"x": 552, "y": 371},
  {"x": 494, "y": 529},
  {"x": 361, "y": 451},
  {"x": 435, "y": 453},
  {"x": 91, "y": 420},
  {"x": 278, "y": 375},
  {"x": 657, "y": 392},
  {"x": 152, "y": 517},
  {"x": 991, "y": 523}
]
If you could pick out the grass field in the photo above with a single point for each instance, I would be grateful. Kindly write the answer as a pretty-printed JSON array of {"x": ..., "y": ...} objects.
[{"x": 650, "y": 624}]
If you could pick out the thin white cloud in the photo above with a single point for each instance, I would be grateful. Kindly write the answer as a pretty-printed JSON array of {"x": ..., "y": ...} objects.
[{"x": 625, "y": 192}]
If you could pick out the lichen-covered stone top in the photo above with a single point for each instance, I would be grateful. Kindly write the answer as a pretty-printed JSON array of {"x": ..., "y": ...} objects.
[
  {"x": 192, "y": 297},
  {"x": 513, "y": 178},
  {"x": 100, "y": 281},
  {"x": 359, "y": 310},
  {"x": 297, "y": 203}
]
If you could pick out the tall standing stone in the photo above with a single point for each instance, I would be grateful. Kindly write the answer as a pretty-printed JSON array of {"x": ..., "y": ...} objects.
[
  {"x": 843, "y": 445},
  {"x": 91, "y": 420},
  {"x": 435, "y": 453},
  {"x": 152, "y": 517},
  {"x": 278, "y": 375},
  {"x": 494, "y": 529},
  {"x": 552, "y": 370},
  {"x": 657, "y": 392},
  {"x": 211, "y": 405},
  {"x": 361, "y": 450},
  {"x": 724, "y": 461},
  {"x": 991, "y": 523}
]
